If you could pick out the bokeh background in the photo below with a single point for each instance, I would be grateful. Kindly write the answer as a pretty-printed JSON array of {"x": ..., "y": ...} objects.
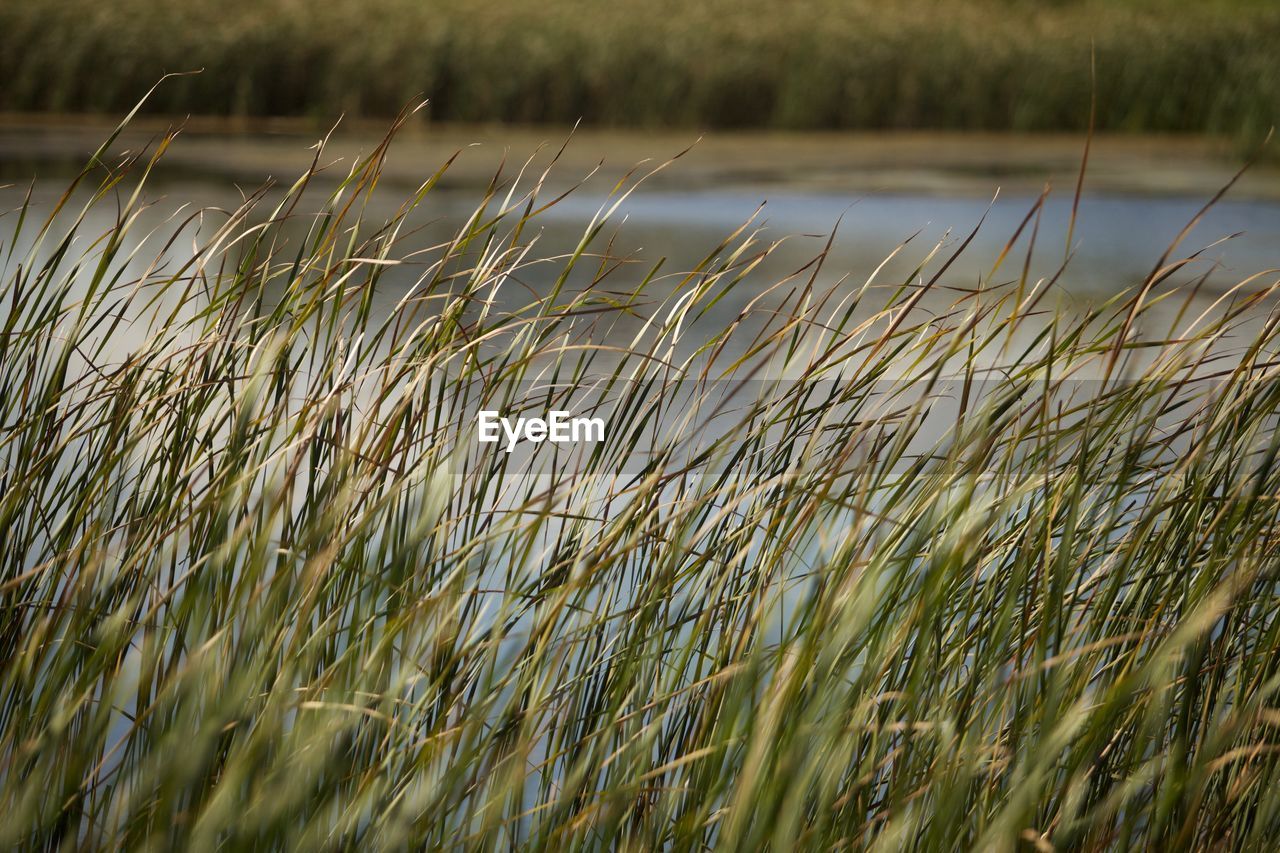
[{"x": 1161, "y": 65}]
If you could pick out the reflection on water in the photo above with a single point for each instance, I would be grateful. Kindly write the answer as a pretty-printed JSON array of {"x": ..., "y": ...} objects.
[{"x": 1116, "y": 241}]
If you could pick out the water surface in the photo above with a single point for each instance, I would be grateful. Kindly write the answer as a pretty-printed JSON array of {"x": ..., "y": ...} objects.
[{"x": 882, "y": 191}]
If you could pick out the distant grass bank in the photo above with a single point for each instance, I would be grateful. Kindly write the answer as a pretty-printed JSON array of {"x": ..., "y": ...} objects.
[{"x": 980, "y": 64}]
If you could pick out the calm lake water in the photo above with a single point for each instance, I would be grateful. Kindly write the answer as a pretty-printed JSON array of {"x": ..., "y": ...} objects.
[{"x": 882, "y": 191}]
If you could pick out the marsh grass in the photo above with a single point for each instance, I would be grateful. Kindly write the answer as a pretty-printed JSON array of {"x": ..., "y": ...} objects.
[
  {"x": 255, "y": 595},
  {"x": 1162, "y": 65}
]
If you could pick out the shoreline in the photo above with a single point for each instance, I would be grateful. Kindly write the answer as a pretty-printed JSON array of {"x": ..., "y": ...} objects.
[{"x": 836, "y": 162}]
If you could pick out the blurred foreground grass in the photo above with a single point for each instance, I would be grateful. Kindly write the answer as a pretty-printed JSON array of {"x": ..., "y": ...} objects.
[{"x": 254, "y": 595}]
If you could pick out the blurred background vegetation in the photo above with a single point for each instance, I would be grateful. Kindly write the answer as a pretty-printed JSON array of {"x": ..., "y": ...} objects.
[{"x": 1166, "y": 66}]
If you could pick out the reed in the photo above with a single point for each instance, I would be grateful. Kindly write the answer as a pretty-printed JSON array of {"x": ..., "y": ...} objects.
[
  {"x": 1162, "y": 65},
  {"x": 257, "y": 592}
]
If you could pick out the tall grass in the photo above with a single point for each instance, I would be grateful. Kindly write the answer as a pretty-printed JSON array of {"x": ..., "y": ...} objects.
[
  {"x": 1162, "y": 65},
  {"x": 260, "y": 591}
]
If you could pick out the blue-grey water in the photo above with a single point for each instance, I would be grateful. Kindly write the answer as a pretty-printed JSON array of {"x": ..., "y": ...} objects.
[{"x": 1123, "y": 227}]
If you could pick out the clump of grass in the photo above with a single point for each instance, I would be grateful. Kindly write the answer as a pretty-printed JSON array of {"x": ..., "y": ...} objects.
[
  {"x": 258, "y": 591},
  {"x": 1162, "y": 65}
]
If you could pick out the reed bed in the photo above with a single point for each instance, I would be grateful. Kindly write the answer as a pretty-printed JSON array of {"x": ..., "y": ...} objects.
[
  {"x": 259, "y": 591},
  {"x": 1162, "y": 65}
]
